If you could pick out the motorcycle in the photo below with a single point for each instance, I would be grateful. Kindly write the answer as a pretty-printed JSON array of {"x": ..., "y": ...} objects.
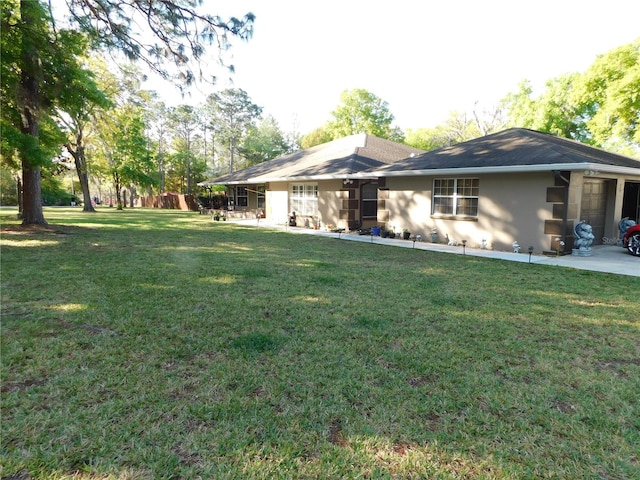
[{"x": 631, "y": 240}]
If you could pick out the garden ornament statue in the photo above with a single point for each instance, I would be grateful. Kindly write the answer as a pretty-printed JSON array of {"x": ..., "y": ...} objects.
[
  {"x": 584, "y": 237},
  {"x": 625, "y": 224}
]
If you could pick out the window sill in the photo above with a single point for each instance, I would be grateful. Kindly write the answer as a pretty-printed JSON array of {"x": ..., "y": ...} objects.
[{"x": 458, "y": 218}]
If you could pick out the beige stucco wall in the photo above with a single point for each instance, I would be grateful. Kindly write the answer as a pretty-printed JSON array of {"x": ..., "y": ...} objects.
[
  {"x": 277, "y": 202},
  {"x": 511, "y": 207},
  {"x": 329, "y": 203}
]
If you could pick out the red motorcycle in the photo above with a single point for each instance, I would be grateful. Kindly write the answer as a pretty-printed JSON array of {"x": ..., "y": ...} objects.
[{"x": 631, "y": 240}]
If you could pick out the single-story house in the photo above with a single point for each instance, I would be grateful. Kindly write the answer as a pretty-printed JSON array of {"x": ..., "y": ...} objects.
[
  {"x": 516, "y": 186},
  {"x": 318, "y": 184}
]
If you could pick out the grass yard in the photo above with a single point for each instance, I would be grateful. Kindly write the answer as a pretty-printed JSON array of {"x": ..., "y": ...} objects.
[{"x": 159, "y": 344}]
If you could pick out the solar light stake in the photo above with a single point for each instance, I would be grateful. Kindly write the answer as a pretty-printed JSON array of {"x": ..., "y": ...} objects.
[
  {"x": 530, "y": 252},
  {"x": 464, "y": 247}
]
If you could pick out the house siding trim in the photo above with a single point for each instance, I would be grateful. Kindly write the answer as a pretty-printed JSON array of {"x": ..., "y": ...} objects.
[{"x": 587, "y": 167}]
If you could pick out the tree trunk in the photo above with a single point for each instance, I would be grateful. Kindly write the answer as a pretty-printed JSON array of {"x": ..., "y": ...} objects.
[
  {"x": 188, "y": 164},
  {"x": 232, "y": 146},
  {"x": 116, "y": 185},
  {"x": 84, "y": 183},
  {"x": 31, "y": 195},
  {"x": 19, "y": 193},
  {"x": 32, "y": 213},
  {"x": 81, "y": 168},
  {"x": 161, "y": 170}
]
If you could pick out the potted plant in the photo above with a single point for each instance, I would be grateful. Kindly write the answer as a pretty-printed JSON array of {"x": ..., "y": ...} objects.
[
  {"x": 216, "y": 216},
  {"x": 406, "y": 234},
  {"x": 384, "y": 233},
  {"x": 375, "y": 231}
]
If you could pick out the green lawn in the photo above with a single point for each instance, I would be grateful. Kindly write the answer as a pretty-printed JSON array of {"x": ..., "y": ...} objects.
[{"x": 159, "y": 344}]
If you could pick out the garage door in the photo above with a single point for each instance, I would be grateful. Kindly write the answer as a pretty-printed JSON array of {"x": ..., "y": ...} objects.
[
  {"x": 594, "y": 207},
  {"x": 631, "y": 201}
]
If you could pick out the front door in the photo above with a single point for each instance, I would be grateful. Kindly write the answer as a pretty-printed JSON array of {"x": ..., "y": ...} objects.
[{"x": 369, "y": 203}]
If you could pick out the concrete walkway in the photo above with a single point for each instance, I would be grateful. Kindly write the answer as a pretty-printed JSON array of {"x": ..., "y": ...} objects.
[{"x": 605, "y": 258}]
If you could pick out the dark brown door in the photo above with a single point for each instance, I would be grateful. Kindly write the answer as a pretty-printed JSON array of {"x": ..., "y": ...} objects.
[{"x": 594, "y": 207}]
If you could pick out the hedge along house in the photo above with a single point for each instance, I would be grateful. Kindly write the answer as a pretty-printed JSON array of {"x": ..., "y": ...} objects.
[
  {"x": 318, "y": 184},
  {"x": 517, "y": 185}
]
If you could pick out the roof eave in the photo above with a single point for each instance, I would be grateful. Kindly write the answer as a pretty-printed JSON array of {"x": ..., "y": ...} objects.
[
  {"x": 590, "y": 167},
  {"x": 593, "y": 168},
  {"x": 295, "y": 178}
]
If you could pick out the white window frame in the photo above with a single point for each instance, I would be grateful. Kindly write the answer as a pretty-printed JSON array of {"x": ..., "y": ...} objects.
[
  {"x": 303, "y": 199},
  {"x": 261, "y": 196},
  {"x": 242, "y": 193},
  {"x": 455, "y": 192}
]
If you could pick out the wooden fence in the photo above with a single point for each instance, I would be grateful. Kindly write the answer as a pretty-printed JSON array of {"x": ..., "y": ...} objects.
[{"x": 172, "y": 201}]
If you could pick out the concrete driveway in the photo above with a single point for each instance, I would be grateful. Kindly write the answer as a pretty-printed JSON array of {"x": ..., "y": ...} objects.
[{"x": 605, "y": 258}]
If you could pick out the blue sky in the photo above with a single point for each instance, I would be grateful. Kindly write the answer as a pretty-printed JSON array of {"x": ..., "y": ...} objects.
[{"x": 425, "y": 58}]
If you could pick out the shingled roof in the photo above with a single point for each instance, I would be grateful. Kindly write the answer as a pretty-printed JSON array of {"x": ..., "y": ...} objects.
[
  {"x": 340, "y": 158},
  {"x": 515, "y": 149}
]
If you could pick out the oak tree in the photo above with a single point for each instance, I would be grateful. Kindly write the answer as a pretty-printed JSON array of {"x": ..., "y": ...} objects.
[
  {"x": 610, "y": 92},
  {"x": 361, "y": 111},
  {"x": 123, "y": 152},
  {"x": 173, "y": 44},
  {"x": 600, "y": 106},
  {"x": 79, "y": 102}
]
